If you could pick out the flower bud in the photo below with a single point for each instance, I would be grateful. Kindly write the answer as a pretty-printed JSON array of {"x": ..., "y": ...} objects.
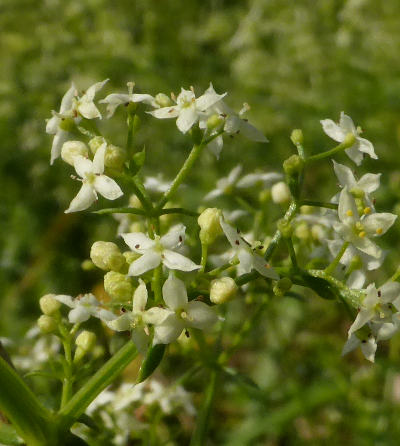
[
  {"x": 118, "y": 286},
  {"x": 49, "y": 305},
  {"x": 349, "y": 139},
  {"x": 85, "y": 342},
  {"x": 210, "y": 227},
  {"x": 214, "y": 121},
  {"x": 107, "y": 256},
  {"x": 297, "y": 137},
  {"x": 222, "y": 290},
  {"x": 302, "y": 232},
  {"x": 264, "y": 196},
  {"x": 88, "y": 265},
  {"x": 163, "y": 100},
  {"x": 115, "y": 157},
  {"x": 318, "y": 232},
  {"x": 293, "y": 165},
  {"x": 95, "y": 143},
  {"x": 134, "y": 202},
  {"x": 47, "y": 324},
  {"x": 280, "y": 193},
  {"x": 282, "y": 286},
  {"x": 306, "y": 210},
  {"x": 285, "y": 228},
  {"x": 71, "y": 149}
]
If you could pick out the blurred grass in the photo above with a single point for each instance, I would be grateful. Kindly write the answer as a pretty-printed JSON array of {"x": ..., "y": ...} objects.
[{"x": 294, "y": 63}]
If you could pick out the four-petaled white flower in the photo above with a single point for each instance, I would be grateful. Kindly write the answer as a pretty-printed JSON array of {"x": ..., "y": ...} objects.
[
  {"x": 114, "y": 100},
  {"x": 53, "y": 124},
  {"x": 233, "y": 123},
  {"x": 357, "y": 230},
  {"x": 93, "y": 181},
  {"x": 367, "y": 343},
  {"x": 83, "y": 307},
  {"x": 338, "y": 133},
  {"x": 248, "y": 259},
  {"x": 180, "y": 313},
  {"x": 85, "y": 106},
  {"x": 159, "y": 250},
  {"x": 188, "y": 109},
  {"x": 134, "y": 320}
]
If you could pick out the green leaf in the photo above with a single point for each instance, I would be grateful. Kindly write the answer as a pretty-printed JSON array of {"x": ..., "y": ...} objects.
[
  {"x": 8, "y": 435},
  {"x": 151, "y": 362}
]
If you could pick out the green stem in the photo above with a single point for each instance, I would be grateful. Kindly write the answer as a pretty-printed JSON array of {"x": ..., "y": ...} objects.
[
  {"x": 328, "y": 153},
  {"x": 292, "y": 252},
  {"x": 335, "y": 262},
  {"x": 68, "y": 369},
  {"x": 320, "y": 204},
  {"x": 134, "y": 211},
  {"x": 133, "y": 122},
  {"x": 156, "y": 285},
  {"x": 204, "y": 252},
  {"x": 220, "y": 269},
  {"x": 140, "y": 192},
  {"x": 178, "y": 211},
  {"x": 77, "y": 405}
]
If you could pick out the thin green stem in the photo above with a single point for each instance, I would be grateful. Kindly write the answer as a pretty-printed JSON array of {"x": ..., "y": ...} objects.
[
  {"x": 134, "y": 211},
  {"x": 139, "y": 192},
  {"x": 68, "y": 373},
  {"x": 220, "y": 269},
  {"x": 320, "y": 204},
  {"x": 335, "y": 262},
  {"x": 178, "y": 211},
  {"x": 328, "y": 153},
  {"x": 292, "y": 252},
  {"x": 204, "y": 253}
]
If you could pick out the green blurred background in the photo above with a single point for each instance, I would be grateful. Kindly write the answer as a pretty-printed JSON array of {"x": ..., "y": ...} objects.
[{"x": 294, "y": 62}]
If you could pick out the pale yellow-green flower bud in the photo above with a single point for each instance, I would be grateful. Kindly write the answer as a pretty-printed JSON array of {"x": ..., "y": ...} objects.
[
  {"x": 163, "y": 100},
  {"x": 282, "y": 286},
  {"x": 302, "y": 232},
  {"x": 47, "y": 324},
  {"x": 115, "y": 157},
  {"x": 280, "y": 193},
  {"x": 95, "y": 143},
  {"x": 297, "y": 137},
  {"x": 107, "y": 256},
  {"x": 306, "y": 210},
  {"x": 85, "y": 342},
  {"x": 210, "y": 227},
  {"x": 49, "y": 305},
  {"x": 293, "y": 165},
  {"x": 214, "y": 121},
  {"x": 71, "y": 149},
  {"x": 318, "y": 232},
  {"x": 222, "y": 290},
  {"x": 118, "y": 286},
  {"x": 134, "y": 202},
  {"x": 88, "y": 265}
]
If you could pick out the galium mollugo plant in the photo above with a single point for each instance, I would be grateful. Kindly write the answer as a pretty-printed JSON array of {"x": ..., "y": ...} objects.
[{"x": 161, "y": 291}]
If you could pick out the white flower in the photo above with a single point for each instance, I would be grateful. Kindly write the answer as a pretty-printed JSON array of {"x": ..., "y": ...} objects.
[
  {"x": 85, "y": 105},
  {"x": 233, "y": 123},
  {"x": 188, "y": 109},
  {"x": 53, "y": 124},
  {"x": 247, "y": 257},
  {"x": 168, "y": 398},
  {"x": 358, "y": 231},
  {"x": 93, "y": 181},
  {"x": 159, "y": 250},
  {"x": 134, "y": 320},
  {"x": 368, "y": 346},
  {"x": 83, "y": 307},
  {"x": 225, "y": 185},
  {"x": 156, "y": 184},
  {"x": 339, "y": 131},
  {"x": 179, "y": 314},
  {"x": 114, "y": 100}
]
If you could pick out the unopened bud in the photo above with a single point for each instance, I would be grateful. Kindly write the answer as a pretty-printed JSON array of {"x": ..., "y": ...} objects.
[
  {"x": 214, "y": 121},
  {"x": 306, "y": 210},
  {"x": 49, "y": 305},
  {"x": 297, "y": 137},
  {"x": 163, "y": 100},
  {"x": 280, "y": 193},
  {"x": 71, "y": 149},
  {"x": 317, "y": 232},
  {"x": 210, "y": 227},
  {"x": 88, "y": 265},
  {"x": 107, "y": 256},
  {"x": 285, "y": 228},
  {"x": 118, "y": 286},
  {"x": 85, "y": 342},
  {"x": 301, "y": 231},
  {"x": 349, "y": 139},
  {"x": 115, "y": 157},
  {"x": 47, "y": 324},
  {"x": 134, "y": 202},
  {"x": 222, "y": 290},
  {"x": 95, "y": 143},
  {"x": 282, "y": 286},
  {"x": 293, "y": 165}
]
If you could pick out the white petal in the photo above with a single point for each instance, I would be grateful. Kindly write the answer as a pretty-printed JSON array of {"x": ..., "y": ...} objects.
[
  {"x": 366, "y": 146},
  {"x": 138, "y": 241},
  {"x": 83, "y": 166},
  {"x": 356, "y": 280},
  {"x": 386, "y": 331},
  {"x": 347, "y": 209},
  {"x": 121, "y": 323},
  {"x": 251, "y": 132},
  {"x": 362, "y": 318},
  {"x": 381, "y": 222},
  {"x": 146, "y": 98},
  {"x": 66, "y": 300},
  {"x": 346, "y": 124},
  {"x": 93, "y": 89},
  {"x": 213, "y": 194},
  {"x": 140, "y": 339},
  {"x": 113, "y": 101},
  {"x": 148, "y": 261},
  {"x": 169, "y": 331},
  {"x": 332, "y": 130},
  {"x": 390, "y": 291},
  {"x": 201, "y": 315},
  {"x": 59, "y": 139},
  {"x": 232, "y": 234},
  {"x": 208, "y": 99},
  {"x": 354, "y": 154},
  {"x": 264, "y": 268},
  {"x": 107, "y": 187},
  {"x": 216, "y": 145},
  {"x": 369, "y": 348},
  {"x": 369, "y": 182},
  {"x": 140, "y": 297},
  {"x": 173, "y": 260},
  {"x": 98, "y": 160},
  {"x": 52, "y": 125},
  {"x": 187, "y": 118},
  {"x": 344, "y": 175},
  {"x": 66, "y": 102},
  {"x": 252, "y": 179},
  {"x": 88, "y": 110},
  {"x": 165, "y": 112},
  {"x": 234, "y": 175},
  {"x": 174, "y": 237},
  {"x": 245, "y": 260},
  {"x": 104, "y": 315},
  {"x": 174, "y": 293},
  {"x": 352, "y": 343},
  {"x": 78, "y": 315},
  {"x": 364, "y": 244},
  {"x": 156, "y": 315},
  {"x": 84, "y": 199}
]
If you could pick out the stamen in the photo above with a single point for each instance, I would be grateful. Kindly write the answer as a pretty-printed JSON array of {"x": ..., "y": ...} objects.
[
  {"x": 349, "y": 213},
  {"x": 379, "y": 231},
  {"x": 367, "y": 210},
  {"x": 362, "y": 234}
]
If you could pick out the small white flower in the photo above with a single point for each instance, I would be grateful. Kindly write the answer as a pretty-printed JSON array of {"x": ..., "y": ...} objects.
[
  {"x": 168, "y": 398},
  {"x": 85, "y": 105},
  {"x": 93, "y": 181},
  {"x": 134, "y": 320},
  {"x": 248, "y": 259},
  {"x": 338, "y": 133},
  {"x": 368, "y": 346},
  {"x": 226, "y": 184},
  {"x": 180, "y": 313},
  {"x": 188, "y": 109},
  {"x": 358, "y": 231},
  {"x": 114, "y": 100},
  {"x": 156, "y": 184},
  {"x": 83, "y": 307},
  {"x": 159, "y": 250},
  {"x": 53, "y": 124}
]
